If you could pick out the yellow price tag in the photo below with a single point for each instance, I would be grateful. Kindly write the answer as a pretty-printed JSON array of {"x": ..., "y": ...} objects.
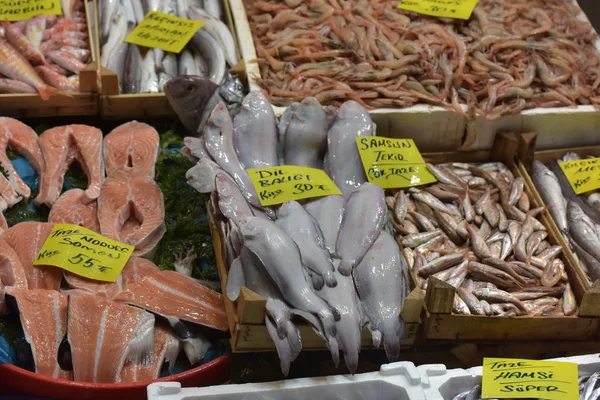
[
  {"x": 84, "y": 252},
  {"x": 461, "y": 9},
  {"x": 164, "y": 31},
  {"x": 276, "y": 185},
  {"x": 514, "y": 378},
  {"x": 393, "y": 163},
  {"x": 12, "y": 10},
  {"x": 583, "y": 175}
]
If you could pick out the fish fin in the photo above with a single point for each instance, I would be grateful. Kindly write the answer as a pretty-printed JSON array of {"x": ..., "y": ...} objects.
[
  {"x": 47, "y": 91},
  {"x": 334, "y": 348},
  {"x": 293, "y": 338},
  {"x": 173, "y": 348},
  {"x": 142, "y": 344},
  {"x": 311, "y": 319},
  {"x": 282, "y": 346},
  {"x": 195, "y": 348},
  {"x": 393, "y": 333},
  {"x": 280, "y": 313},
  {"x": 235, "y": 279}
]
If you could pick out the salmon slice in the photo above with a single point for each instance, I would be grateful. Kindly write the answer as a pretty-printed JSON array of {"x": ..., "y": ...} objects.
[
  {"x": 166, "y": 349},
  {"x": 70, "y": 208},
  {"x": 135, "y": 269},
  {"x": 172, "y": 295},
  {"x": 12, "y": 273},
  {"x": 23, "y": 140},
  {"x": 43, "y": 315},
  {"x": 104, "y": 334},
  {"x": 129, "y": 193},
  {"x": 63, "y": 145},
  {"x": 133, "y": 144},
  {"x": 27, "y": 238}
]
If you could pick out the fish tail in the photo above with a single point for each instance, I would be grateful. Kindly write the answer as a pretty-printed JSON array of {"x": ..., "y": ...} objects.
[
  {"x": 393, "y": 333},
  {"x": 47, "y": 91},
  {"x": 334, "y": 348}
]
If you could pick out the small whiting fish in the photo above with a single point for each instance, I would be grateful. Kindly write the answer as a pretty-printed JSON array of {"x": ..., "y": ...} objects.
[{"x": 549, "y": 187}]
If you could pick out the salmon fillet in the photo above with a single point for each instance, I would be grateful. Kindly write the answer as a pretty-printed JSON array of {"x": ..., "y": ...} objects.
[
  {"x": 133, "y": 144},
  {"x": 166, "y": 349},
  {"x": 23, "y": 140},
  {"x": 174, "y": 295},
  {"x": 43, "y": 315},
  {"x": 12, "y": 273},
  {"x": 71, "y": 208},
  {"x": 135, "y": 269},
  {"x": 104, "y": 334},
  {"x": 129, "y": 193},
  {"x": 27, "y": 238},
  {"x": 63, "y": 145}
]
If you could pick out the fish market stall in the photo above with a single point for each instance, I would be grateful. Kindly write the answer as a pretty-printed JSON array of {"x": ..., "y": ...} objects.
[
  {"x": 132, "y": 77},
  {"x": 49, "y": 64}
]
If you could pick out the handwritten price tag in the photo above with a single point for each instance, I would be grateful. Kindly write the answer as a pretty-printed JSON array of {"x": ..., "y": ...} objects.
[
  {"x": 461, "y": 9},
  {"x": 164, "y": 31},
  {"x": 276, "y": 185},
  {"x": 513, "y": 378},
  {"x": 393, "y": 163},
  {"x": 11, "y": 10},
  {"x": 583, "y": 175},
  {"x": 84, "y": 252}
]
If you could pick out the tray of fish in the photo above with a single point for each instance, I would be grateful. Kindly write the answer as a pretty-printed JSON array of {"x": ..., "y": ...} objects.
[
  {"x": 392, "y": 61},
  {"x": 440, "y": 383},
  {"x": 132, "y": 78},
  {"x": 49, "y": 64},
  {"x": 145, "y": 320},
  {"x": 493, "y": 266},
  {"x": 577, "y": 216},
  {"x": 308, "y": 274}
]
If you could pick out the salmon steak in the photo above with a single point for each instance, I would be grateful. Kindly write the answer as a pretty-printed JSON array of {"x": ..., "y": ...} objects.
[
  {"x": 23, "y": 140},
  {"x": 135, "y": 269},
  {"x": 175, "y": 296},
  {"x": 61, "y": 146},
  {"x": 129, "y": 193},
  {"x": 103, "y": 334},
  {"x": 27, "y": 238},
  {"x": 133, "y": 144},
  {"x": 43, "y": 315},
  {"x": 12, "y": 273},
  {"x": 166, "y": 349},
  {"x": 72, "y": 208}
]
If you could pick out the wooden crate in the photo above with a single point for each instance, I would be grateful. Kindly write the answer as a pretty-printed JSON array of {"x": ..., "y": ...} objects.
[
  {"x": 246, "y": 316},
  {"x": 142, "y": 105},
  {"x": 83, "y": 103},
  {"x": 439, "y": 321}
]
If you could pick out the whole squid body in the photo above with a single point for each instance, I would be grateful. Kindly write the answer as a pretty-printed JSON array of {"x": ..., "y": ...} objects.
[
  {"x": 329, "y": 212},
  {"x": 343, "y": 160},
  {"x": 306, "y": 135},
  {"x": 364, "y": 217},
  {"x": 549, "y": 187},
  {"x": 255, "y": 132},
  {"x": 381, "y": 279},
  {"x": 219, "y": 144},
  {"x": 281, "y": 258},
  {"x": 344, "y": 299},
  {"x": 304, "y": 230}
]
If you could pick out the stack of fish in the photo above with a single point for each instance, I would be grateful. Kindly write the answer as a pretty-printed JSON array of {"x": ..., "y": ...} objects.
[
  {"x": 62, "y": 312},
  {"x": 45, "y": 53},
  {"x": 578, "y": 217},
  {"x": 509, "y": 56},
  {"x": 147, "y": 70},
  {"x": 329, "y": 261},
  {"x": 475, "y": 230}
]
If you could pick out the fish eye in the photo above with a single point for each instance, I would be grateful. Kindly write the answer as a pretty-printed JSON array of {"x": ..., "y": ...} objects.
[{"x": 190, "y": 88}]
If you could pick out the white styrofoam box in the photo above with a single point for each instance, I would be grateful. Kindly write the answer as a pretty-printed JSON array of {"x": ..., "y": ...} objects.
[
  {"x": 432, "y": 128},
  {"x": 395, "y": 381},
  {"x": 441, "y": 384},
  {"x": 438, "y": 129}
]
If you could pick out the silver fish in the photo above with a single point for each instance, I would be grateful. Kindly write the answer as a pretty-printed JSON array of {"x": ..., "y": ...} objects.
[
  {"x": 132, "y": 78},
  {"x": 232, "y": 202},
  {"x": 304, "y": 230},
  {"x": 364, "y": 216},
  {"x": 211, "y": 53},
  {"x": 381, "y": 279},
  {"x": 306, "y": 135},
  {"x": 255, "y": 132},
  {"x": 343, "y": 160},
  {"x": 202, "y": 175},
  {"x": 214, "y": 8},
  {"x": 149, "y": 82},
  {"x": 329, "y": 212},
  {"x": 549, "y": 187},
  {"x": 169, "y": 70},
  {"x": 583, "y": 230},
  {"x": 218, "y": 30}
]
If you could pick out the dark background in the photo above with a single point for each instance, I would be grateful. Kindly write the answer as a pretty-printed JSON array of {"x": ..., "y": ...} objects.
[{"x": 592, "y": 9}]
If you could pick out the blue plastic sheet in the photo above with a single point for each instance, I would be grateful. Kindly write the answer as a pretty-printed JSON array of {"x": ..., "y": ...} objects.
[{"x": 7, "y": 354}]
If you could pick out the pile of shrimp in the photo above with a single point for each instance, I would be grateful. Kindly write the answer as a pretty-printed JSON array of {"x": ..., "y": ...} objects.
[{"x": 511, "y": 55}]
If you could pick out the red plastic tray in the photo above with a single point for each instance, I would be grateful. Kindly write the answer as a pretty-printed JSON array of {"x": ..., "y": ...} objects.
[{"x": 17, "y": 381}]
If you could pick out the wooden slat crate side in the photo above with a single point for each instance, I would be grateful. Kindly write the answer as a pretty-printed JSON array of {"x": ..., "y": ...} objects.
[
  {"x": 439, "y": 321},
  {"x": 27, "y": 105}
]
